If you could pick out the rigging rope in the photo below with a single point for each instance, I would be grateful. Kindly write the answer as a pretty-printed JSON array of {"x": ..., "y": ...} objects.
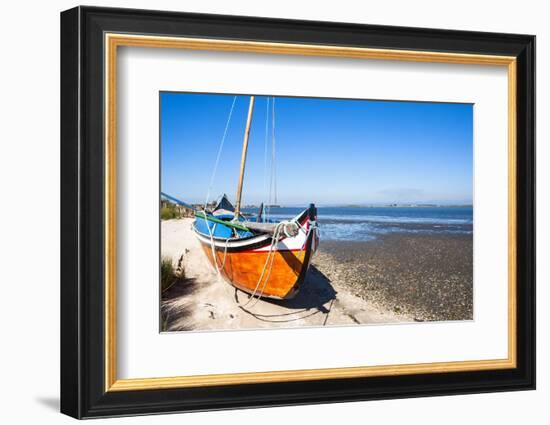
[
  {"x": 280, "y": 229},
  {"x": 271, "y": 256},
  {"x": 220, "y": 149},
  {"x": 272, "y": 196},
  {"x": 266, "y": 142},
  {"x": 274, "y": 169},
  {"x": 212, "y": 177}
]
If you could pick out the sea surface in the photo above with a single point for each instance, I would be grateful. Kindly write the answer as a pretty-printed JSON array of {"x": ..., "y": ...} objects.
[{"x": 368, "y": 223}]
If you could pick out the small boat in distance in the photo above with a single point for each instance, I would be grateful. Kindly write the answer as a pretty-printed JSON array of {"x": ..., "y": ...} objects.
[{"x": 262, "y": 257}]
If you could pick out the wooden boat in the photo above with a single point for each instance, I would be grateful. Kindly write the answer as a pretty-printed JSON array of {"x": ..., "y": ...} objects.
[
  {"x": 261, "y": 257},
  {"x": 260, "y": 263}
]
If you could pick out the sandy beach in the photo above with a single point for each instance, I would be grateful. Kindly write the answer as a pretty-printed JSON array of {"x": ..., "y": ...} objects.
[{"x": 395, "y": 278}]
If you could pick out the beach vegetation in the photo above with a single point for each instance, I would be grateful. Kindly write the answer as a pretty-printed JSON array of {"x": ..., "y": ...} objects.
[
  {"x": 169, "y": 212},
  {"x": 169, "y": 275}
]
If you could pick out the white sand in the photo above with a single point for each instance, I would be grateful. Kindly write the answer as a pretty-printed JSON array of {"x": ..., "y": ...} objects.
[{"x": 205, "y": 301}]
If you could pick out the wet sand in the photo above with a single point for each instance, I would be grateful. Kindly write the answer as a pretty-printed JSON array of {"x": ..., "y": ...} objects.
[
  {"x": 427, "y": 276},
  {"x": 394, "y": 279}
]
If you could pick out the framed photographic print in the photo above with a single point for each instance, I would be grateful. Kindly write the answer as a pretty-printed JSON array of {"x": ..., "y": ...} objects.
[{"x": 261, "y": 212}]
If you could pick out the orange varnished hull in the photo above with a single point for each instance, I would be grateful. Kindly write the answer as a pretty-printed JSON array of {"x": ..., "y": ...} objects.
[{"x": 244, "y": 270}]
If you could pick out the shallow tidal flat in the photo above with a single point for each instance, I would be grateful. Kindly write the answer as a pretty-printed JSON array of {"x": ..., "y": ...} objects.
[{"x": 427, "y": 276}]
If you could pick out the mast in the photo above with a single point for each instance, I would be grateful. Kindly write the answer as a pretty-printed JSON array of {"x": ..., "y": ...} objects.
[{"x": 243, "y": 158}]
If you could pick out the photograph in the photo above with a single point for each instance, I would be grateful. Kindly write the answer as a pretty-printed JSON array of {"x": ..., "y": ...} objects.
[
  {"x": 263, "y": 210},
  {"x": 289, "y": 212}
]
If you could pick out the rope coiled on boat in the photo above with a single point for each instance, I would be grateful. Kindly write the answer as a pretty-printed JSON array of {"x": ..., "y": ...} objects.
[
  {"x": 312, "y": 227},
  {"x": 284, "y": 228}
]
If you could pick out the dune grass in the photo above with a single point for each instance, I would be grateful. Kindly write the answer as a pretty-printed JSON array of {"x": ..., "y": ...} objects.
[
  {"x": 167, "y": 277},
  {"x": 167, "y": 213},
  {"x": 169, "y": 274}
]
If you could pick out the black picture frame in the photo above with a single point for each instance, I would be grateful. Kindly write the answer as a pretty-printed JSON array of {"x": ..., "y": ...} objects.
[{"x": 83, "y": 392}]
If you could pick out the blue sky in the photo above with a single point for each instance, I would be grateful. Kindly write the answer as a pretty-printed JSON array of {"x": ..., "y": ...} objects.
[{"x": 328, "y": 151}]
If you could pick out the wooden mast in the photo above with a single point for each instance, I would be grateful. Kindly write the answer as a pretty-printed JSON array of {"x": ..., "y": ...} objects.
[{"x": 243, "y": 158}]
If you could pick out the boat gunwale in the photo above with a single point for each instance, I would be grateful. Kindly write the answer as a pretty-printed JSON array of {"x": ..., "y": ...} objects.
[{"x": 301, "y": 218}]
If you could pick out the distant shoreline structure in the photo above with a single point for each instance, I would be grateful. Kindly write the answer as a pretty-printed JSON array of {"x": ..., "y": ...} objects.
[
  {"x": 199, "y": 206},
  {"x": 406, "y": 205},
  {"x": 265, "y": 206},
  {"x": 385, "y": 205}
]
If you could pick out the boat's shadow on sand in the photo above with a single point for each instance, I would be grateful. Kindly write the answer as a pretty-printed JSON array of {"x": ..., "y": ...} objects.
[
  {"x": 315, "y": 292},
  {"x": 315, "y": 296},
  {"x": 187, "y": 305}
]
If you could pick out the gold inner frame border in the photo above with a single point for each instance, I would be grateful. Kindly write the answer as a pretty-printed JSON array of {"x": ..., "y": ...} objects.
[{"x": 112, "y": 41}]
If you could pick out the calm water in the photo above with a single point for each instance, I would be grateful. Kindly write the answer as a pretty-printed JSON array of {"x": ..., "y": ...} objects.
[{"x": 366, "y": 223}]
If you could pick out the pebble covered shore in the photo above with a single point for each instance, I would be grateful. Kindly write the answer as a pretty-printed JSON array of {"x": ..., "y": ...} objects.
[{"x": 429, "y": 277}]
